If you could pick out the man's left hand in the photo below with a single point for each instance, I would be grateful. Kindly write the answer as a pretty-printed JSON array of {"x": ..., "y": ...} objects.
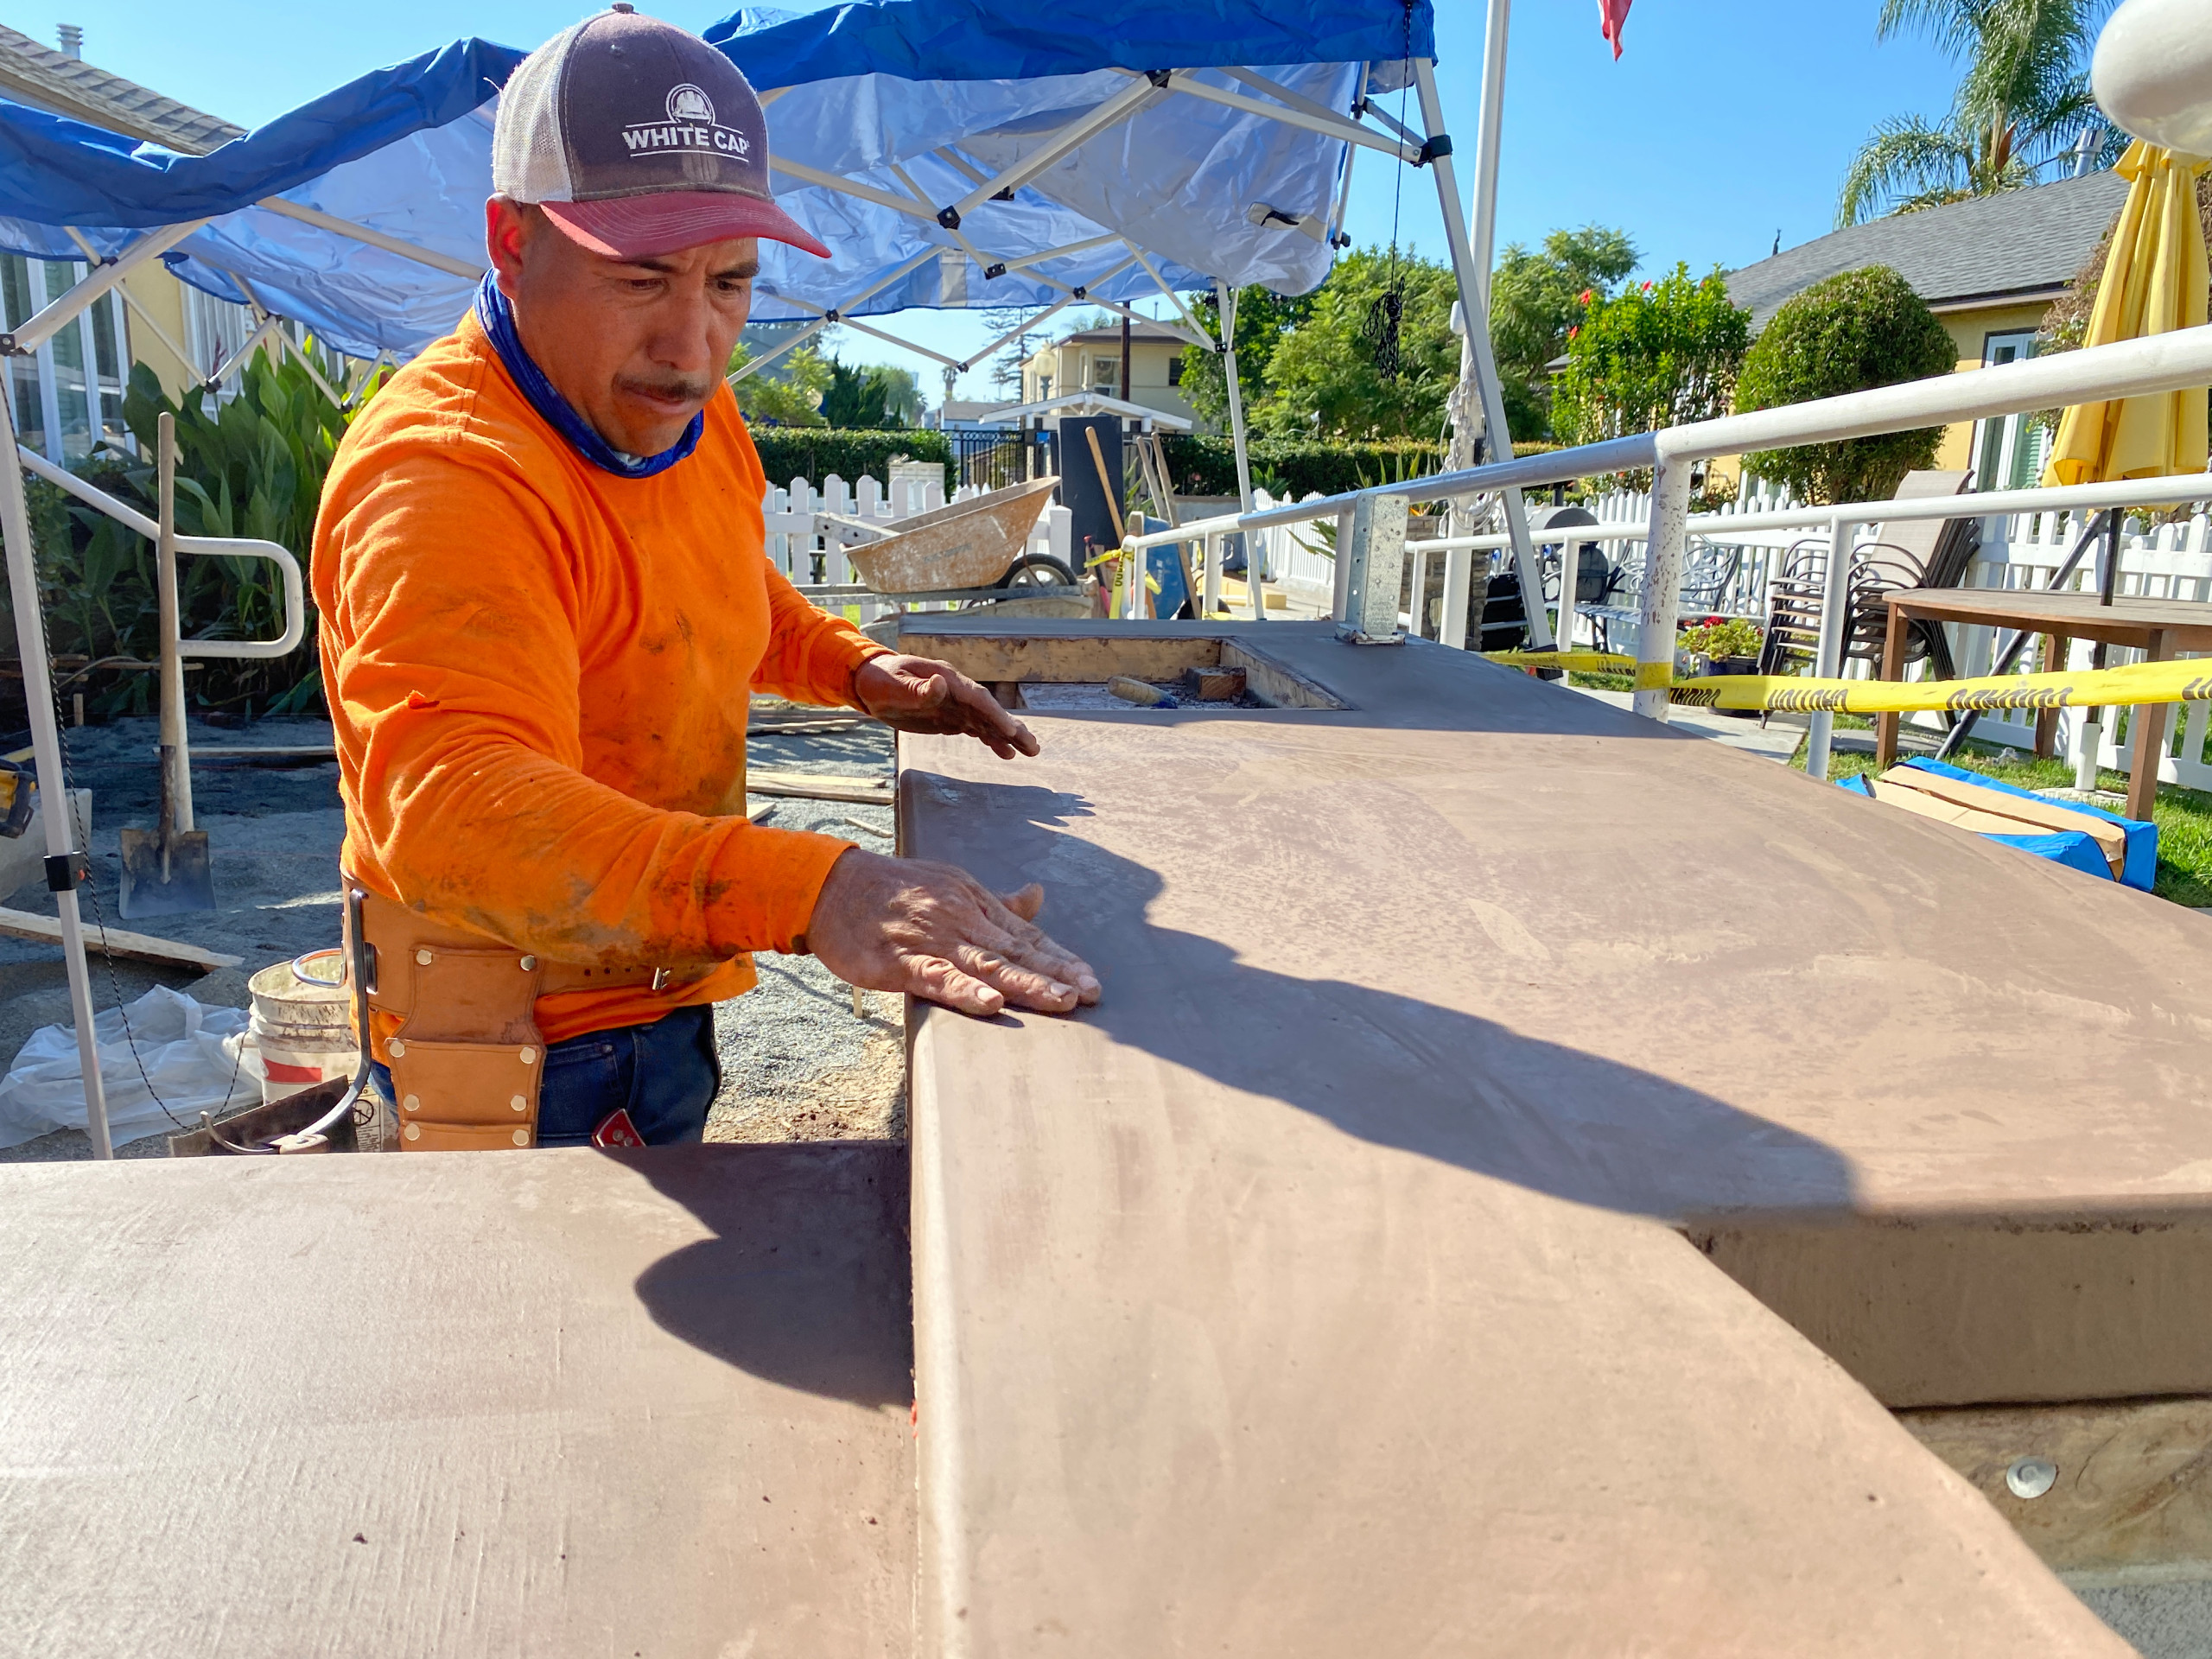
[{"x": 917, "y": 695}]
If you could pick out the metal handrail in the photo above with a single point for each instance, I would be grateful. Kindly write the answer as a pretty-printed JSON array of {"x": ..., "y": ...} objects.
[{"x": 296, "y": 604}]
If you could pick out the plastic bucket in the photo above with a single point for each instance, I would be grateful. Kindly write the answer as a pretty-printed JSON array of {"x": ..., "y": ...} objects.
[{"x": 301, "y": 1029}]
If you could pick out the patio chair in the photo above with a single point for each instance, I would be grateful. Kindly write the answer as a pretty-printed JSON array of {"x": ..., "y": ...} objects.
[{"x": 1914, "y": 553}]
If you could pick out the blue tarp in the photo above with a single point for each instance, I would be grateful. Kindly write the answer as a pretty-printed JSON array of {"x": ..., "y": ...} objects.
[
  {"x": 2077, "y": 849},
  {"x": 1018, "y": 40},
  {"x": 868, "y": 93}
]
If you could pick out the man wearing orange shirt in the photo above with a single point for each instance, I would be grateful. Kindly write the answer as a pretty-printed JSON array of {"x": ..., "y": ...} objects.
[{"x": 546, "y": 603}]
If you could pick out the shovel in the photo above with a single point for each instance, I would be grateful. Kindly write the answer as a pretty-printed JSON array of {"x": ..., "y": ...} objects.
[{"x": 165, "y": 871}]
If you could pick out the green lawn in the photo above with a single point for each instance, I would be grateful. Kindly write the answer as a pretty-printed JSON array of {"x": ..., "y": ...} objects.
[{"x": 2183, "y": 816}]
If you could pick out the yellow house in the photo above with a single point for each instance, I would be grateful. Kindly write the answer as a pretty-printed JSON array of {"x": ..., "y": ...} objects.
[
  {"x": 1990, "y": 269},
  {"x": 68, "y": 397},
  {"x": 1091, "y": 360}
]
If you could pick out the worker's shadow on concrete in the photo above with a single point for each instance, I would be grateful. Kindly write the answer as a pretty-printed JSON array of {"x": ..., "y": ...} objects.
[
  {"x": 805, "y": 1280},
  {"x": 1387, "y": 1067}
]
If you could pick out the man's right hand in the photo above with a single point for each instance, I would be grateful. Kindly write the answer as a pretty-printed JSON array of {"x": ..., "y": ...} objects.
[{"x": 933, "y": 930}]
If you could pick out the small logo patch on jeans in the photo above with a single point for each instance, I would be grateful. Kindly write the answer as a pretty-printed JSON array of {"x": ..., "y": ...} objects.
[{"x": 616, "y": 1129}]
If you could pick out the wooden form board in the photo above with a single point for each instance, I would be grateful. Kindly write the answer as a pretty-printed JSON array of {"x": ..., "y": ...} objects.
[
  {"x": 546, "y": 1403},
  {"x": 1337, "y": 1284}
]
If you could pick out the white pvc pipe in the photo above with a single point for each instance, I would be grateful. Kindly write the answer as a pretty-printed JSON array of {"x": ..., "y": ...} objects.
[
  {"x": 46, "y": 747},
  {"x": 1473, "y": 280},
  {"x": 1836, "y": 609}
]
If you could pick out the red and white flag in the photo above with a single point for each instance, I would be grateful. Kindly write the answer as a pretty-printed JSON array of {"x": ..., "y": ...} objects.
[{"x": 1612, "y": 18}]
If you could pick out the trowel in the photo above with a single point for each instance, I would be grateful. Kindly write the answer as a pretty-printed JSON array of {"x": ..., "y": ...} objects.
[{"x": 165, "y": 871}]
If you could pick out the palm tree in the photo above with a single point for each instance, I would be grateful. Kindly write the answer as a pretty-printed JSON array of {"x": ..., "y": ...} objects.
[{"x": 2023, "y": 104}]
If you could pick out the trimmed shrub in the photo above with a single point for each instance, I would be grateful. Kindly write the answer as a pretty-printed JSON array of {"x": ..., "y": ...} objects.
[
  {"x": 1853, "y": 332},
  {"x": 814, "y": 452}
]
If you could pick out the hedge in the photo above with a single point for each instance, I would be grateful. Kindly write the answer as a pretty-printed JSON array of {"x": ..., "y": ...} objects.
[
  {"x": 814, "y": 452},
  {"x": 1207, "y": 466}
]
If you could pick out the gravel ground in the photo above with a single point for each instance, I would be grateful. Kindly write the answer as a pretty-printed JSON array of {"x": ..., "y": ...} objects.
[{"x": 798, "y": 1063}]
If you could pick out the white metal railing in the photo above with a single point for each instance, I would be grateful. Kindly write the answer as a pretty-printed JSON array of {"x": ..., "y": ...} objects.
[
  {"x": 288, "y": 568},
  {"x": 2169, "y": 362}
]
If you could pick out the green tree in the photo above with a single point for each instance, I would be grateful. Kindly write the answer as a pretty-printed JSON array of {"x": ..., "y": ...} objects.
[
  {"x": 873, "y": 397},
  {"x": 1325, "y": 378},
  {"x": 788, "y": 393},
  {"x": 1535, "y": 298},
  {"x": 2022, "y": 104},
  {"x": 1264, "y": 319},
  {"x": 1655, "y": 355},
  {"x": 1861, "y": 329}
]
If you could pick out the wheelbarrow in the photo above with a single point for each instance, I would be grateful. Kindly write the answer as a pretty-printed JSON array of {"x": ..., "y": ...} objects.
[{"x": 969, "y": 547}]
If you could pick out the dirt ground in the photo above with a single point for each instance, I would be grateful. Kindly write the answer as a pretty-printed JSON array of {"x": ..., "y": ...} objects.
[{"x": 798, "y": 1063}]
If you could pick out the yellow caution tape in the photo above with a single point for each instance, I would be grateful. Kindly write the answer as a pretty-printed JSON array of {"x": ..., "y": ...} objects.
[
  {"x": 1578, "y": 662},
  {"x": 2138, "y": 683},
  {"x": 2094, "y": 688}
]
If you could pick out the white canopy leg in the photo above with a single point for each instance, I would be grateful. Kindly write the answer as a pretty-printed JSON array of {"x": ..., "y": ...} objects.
[
  {"x": 1225, "y": 296},
  {"x": 1473, "y": 276},
  {"x": 46, "y": 747}
]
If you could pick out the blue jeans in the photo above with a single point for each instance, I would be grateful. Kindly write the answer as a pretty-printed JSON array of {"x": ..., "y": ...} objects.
[{"x": 667, "y": 1073}]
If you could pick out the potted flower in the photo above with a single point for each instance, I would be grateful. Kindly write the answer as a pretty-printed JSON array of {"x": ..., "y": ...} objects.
[{"x": 1729, "y": 645}]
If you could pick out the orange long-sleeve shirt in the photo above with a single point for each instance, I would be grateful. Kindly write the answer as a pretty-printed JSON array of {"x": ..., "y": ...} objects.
[{"x": 539, "y": 674}]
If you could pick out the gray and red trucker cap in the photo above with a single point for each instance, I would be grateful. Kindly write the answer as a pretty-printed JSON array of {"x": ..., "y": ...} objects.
[{"x": 638, "y": 139}]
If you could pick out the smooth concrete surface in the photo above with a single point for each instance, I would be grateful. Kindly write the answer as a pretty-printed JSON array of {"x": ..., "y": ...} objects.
[
  {"x": 543, "y": 1404},
  {"x": 1325, "y": 1289}
]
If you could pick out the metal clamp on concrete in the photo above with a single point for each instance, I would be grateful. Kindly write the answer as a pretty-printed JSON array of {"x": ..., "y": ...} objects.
[{"x": 1375, "y": 566}]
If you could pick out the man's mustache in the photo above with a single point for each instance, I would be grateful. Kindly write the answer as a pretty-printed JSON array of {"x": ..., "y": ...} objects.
[{"x": 677, "y": 388}]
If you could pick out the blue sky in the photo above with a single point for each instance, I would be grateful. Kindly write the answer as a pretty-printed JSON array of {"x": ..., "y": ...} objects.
[{"x": 1725, "y": 122}]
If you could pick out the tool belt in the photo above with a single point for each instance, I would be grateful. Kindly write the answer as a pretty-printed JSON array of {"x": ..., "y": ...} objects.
[{"x": 467, "y": 1057}]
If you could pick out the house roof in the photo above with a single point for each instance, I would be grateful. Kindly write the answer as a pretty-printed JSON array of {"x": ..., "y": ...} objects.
[
  {"x": 2022, "y": 244},
  {"x": 40, "y": 76},
  {"x": 1139, "y": 330}
]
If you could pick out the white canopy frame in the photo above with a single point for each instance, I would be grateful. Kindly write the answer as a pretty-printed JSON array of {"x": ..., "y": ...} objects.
[{"x": 1430, "y": 147}]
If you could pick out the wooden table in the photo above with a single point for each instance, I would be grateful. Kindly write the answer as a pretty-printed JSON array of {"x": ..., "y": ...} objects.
[{"x": 2158, "y": 627}]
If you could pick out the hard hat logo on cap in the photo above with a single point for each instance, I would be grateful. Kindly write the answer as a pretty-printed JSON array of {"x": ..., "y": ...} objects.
[{"x": 638, "y": 139}]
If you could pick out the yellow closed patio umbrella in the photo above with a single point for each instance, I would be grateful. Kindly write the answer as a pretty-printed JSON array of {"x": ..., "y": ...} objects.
[{"x": 2155, "y": 281}]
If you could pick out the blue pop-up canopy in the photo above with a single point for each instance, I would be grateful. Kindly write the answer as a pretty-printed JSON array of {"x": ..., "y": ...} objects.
[{"x": 1160, "y": 149}]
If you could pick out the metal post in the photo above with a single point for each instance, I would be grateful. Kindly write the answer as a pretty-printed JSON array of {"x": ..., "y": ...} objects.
[
  {"x": 46, "y": 747},
  {"x": 1663, "y": 581},
  {"x": 1473, "y": 280},
  {"x": 1835, "y": 618},
  {"x": 1458, "y": 590},
  {"x": 1339, "y": 597},
  {"x": 1210, "y": 582},
  {"x": 1376, "y": 567},
  {"x": 1225, "y": 297}
]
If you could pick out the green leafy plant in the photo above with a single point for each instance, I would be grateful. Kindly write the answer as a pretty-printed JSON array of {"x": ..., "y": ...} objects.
[
  {"x": 1723, "y": 636},
  {"x": 788, "y": 393},
  {"x": 1655, "y": 355},
  {"x": 1860, "y": 329}
]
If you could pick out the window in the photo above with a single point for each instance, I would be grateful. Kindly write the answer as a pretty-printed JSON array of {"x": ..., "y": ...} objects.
[
  {"x": 1175, "y": 370},
  {"x": 2009, "y": 450},
  {"x": 215, "y": 331},
  {"x": 1106, "y": 375},
  {"x": 68, "y": 395}
]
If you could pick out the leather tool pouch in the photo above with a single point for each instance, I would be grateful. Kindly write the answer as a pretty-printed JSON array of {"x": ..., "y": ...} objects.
[{"x": 467, "y": 1057}]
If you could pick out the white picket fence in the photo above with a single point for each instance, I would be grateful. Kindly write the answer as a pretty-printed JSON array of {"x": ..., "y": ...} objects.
[{"x": 803, "y": 546}]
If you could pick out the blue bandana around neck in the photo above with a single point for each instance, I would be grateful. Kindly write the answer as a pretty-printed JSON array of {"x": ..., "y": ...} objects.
[{"x": 498, "y": 318}]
